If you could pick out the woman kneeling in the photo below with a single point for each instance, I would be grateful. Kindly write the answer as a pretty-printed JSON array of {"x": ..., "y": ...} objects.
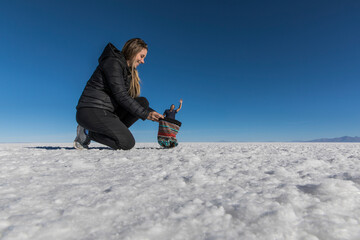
[{"x": 110, "y": 102}]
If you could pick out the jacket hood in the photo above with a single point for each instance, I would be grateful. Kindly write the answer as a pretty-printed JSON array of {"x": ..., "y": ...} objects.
[{"x": 111, "y": 51}]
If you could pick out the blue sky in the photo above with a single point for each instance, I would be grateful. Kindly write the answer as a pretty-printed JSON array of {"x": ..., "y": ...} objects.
[{"x": 246, "y": 70}]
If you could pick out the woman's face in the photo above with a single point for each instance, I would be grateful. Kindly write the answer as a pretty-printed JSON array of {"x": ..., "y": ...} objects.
[{"x": 139, "y": 58}]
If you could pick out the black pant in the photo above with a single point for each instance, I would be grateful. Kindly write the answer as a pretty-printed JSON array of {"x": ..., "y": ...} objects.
[{"x": 110, "y": 129}]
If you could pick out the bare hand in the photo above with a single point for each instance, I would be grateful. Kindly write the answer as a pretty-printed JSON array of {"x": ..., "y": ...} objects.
[
  {"x": 180, "y": 100},
  {"x": 155, "y": 116}
]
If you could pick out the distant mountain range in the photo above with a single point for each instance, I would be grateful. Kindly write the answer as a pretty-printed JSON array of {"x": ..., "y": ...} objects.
[{"x": 339, "y": 139}]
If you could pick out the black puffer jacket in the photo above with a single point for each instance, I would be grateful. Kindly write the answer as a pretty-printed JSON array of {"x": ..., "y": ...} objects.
[{"x": 108, "y": 86}]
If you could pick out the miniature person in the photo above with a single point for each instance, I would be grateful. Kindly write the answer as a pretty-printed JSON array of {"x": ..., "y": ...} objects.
[{"x": 170, "y": 113}]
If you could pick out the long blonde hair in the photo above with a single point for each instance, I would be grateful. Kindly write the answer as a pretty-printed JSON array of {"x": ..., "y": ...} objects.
[{"x": 130, "y": 49}]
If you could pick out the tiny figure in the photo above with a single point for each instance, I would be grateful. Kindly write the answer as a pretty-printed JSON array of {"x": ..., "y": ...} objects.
[{"x": 170, "y": 113}]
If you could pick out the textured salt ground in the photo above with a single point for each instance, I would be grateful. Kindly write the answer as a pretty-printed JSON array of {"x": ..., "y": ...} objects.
[{"x": 195, "y": 191}]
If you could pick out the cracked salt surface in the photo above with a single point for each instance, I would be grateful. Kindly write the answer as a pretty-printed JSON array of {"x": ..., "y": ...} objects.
[{"x": 194, "y": 191}]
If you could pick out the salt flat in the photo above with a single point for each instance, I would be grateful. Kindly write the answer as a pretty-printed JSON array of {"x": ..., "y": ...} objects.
[{"x": 195, "y": 191}]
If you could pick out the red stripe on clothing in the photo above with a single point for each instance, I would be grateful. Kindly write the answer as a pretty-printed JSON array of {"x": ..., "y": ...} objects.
[{"x": 167, "y": 134}]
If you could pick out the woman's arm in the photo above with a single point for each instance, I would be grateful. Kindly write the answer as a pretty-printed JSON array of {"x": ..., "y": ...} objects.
[
  {"x": 113, "y": 72},
  {"x": 154, "y": 116}
]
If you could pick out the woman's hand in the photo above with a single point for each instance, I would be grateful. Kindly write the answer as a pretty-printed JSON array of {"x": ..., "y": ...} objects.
[{"x": 155, "y": 116}]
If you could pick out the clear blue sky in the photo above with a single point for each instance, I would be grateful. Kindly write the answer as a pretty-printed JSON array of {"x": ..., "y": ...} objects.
[{"x": 246, "y": 70}]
